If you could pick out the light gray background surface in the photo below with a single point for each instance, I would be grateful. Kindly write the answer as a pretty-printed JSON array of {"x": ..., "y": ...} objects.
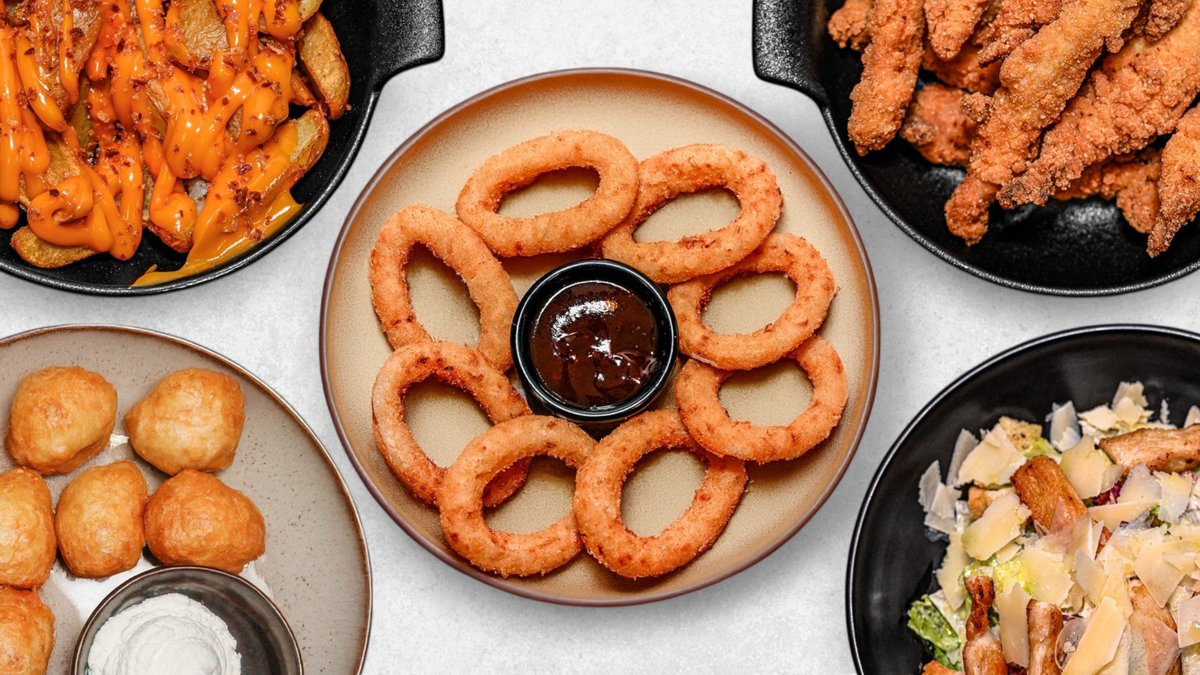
[{"x": 785, "y": 614}]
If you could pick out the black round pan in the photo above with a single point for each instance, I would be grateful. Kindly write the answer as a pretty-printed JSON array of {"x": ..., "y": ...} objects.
[
  {"x": 891, "y": 560},
  {"x": 1081, "y": 247},
  {"x": 379, "y": 38}
]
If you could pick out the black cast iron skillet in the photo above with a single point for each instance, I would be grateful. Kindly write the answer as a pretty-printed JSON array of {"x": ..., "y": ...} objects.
[
  {"x": 1081, "y": 247},
  {"x": 379, "y": 38},
  {"x": 891, "y": 560}
]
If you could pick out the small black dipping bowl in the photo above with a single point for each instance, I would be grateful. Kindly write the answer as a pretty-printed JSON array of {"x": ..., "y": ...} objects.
[{"x": 595, "y": 420}]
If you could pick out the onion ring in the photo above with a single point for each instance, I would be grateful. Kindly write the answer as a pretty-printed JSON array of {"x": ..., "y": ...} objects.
[
  {"x": 696, "y": 394},
  {"x": 459, "y": 500},
  {"x": 598, "y": 485},
  {"x": 815, "y": 288},
  {"x": 556, "y": 231},
  {"x": 692, "y": 168},
  {"x": 459, "y": 248},
  {"x": 459, "y": 366}
]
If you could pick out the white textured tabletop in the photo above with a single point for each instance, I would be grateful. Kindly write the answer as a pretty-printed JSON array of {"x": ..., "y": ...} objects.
[{"x": 785, "y": 614}]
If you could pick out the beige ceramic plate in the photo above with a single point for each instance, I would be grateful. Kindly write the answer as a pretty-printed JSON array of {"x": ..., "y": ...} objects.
[
  {"x": 649, "y": 113},
  {"x": 315, "y": 567}
]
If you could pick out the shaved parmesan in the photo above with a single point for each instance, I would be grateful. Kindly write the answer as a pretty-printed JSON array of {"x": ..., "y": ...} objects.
[
  {"x": 1014, "y": 626},
  {"x": 1064, "y": 426},
  {"x": 1176, "y": 493},
  {"x": 1188, "y": 622},
  {"x": 1048, "y": 576},
  {"x": 942, "y": 511},
  {"x": 1159, "y": 576},
  {"x": 1100, "y": 418},
  {"x": 1112, "y": 515},
  {"x": 1090, "y": 577},
  {"x": 1193, "y": 416},
  {"x": 992, "y": 462},
  {"x": 1121, "y": 661},
  {"x": 962, "y": 445},
  {"x": 1000, "y": 523},
  {"x": 927, "y": 488},
  {"x": 1100, "y": 640},
  {"x": 949, "y": 576},
  {"x": 1129, "y": 412},
  {"x": 1140, "y": 486},
  {"x": 1133, "y": 391},
  {"x": 1088, "y": 469}
]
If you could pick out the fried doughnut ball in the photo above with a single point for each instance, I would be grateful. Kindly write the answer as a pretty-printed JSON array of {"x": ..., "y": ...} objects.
[
  {"x": 99, "y": 520},
  {"x": 27, "y": 545},
  {"x": 195, "y": 519},
  {"x": 26, "y": 632},
  {"x": 192, "y": 420},
  {"x": 61, "y": 417}
]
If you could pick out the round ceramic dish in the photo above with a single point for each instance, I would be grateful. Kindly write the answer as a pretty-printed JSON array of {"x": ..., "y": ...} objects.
[
  {"x": 650, "y": 113},
  {"x": 265, "y": 642},
  {"x": 315, "y": 568},
  {"x": 891, "y": 560}
]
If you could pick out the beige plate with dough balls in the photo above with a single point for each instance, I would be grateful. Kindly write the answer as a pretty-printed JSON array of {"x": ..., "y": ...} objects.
[
  {"x": 650, "y": 113},
  {"x": 315, "y": 567}
]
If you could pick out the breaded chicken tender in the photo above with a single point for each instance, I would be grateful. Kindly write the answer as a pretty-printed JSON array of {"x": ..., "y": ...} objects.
[
  {"x": 890, "y": 64},
  {"x": 99, "y": 520},
  {"x": 27, "y": 544},
  {"x": 195, "y": 519},
  {"x": 937, "y": 126},
  {"x": 1179, "y": 185},
  {"x": 191, "y": 420},
  {"x": 61, "y": 417},
  {"x": 26, "y": 633},
  {"x": 950, "y": 22}
]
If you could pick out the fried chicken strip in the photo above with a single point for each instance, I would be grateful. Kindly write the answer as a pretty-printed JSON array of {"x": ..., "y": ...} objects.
[
  {"x": 849, "y": 26},
  {"x": 1037, "y": 80},
  {"x": 949, "y": 23},
  {"x": 1134, "y": 96},
  {"x": 1162, "y": 16},
  {"x": 1045, "y": 623},
  {"x": 1131, "y": 179},
  {"x": 890, "y": 64},
  {"x": 936, "y": 668},
  {"x": 964, "y": 71},
  {"x": 937, "y": 127},
  {"x": 1179, "y": 184},
  {"x": 1154, "y": 631},
  {"x": 1016, "y": 21},
  {"x": 1159, "y": 449}
]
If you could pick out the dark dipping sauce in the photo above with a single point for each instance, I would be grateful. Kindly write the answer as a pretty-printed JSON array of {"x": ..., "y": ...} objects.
[{"x": 594, "y": 344}]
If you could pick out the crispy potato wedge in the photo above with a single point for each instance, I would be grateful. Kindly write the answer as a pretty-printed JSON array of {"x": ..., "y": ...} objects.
[
  {"x": 301, "y": 93},
  {"x": 41, "y": 253},
  {"x": 312, "y": 135},
  {"x": 308, "y": 8},
  {"x": 80, "y": 119},
  {"x": 85, "y": 20},
  {"x": 321, "y": 56},
  {"x": 62, "y": 165},
  {"x": 194, "y": 31}
]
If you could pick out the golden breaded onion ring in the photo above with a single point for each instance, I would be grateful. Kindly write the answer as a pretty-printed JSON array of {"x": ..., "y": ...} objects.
[
  {"x": 460, "y": 249},
  {"x": 461, "y": 497},
  {"x": 556, "y": 231},
  {"x": 786, "y": 253},
  {"x": 697, "y": 395},
  {"x": 461, "y": 367},
  {"x": 597, "y": 504},
  {"x": 692, "y": 168}
]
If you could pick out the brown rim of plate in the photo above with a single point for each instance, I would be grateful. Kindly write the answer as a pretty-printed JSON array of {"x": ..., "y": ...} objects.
[
  {"x": 264, "y": 388},
  {"x": 498, "y": 582}
]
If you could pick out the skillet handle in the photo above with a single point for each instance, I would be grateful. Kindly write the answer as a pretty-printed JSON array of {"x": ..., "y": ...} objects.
[
  {"x": 787, "y": 41},
  {"x": 406, "y": 33}
]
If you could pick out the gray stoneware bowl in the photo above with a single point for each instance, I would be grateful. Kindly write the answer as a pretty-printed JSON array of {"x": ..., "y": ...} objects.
[{"x": 264, "y": 639}]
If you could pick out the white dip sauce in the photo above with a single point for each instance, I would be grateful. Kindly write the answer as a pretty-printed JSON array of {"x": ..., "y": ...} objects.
[{"x": 168, "y": 634}]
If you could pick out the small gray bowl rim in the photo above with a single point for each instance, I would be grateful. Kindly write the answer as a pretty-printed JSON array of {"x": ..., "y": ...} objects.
[{"x": 80, "y": 666}]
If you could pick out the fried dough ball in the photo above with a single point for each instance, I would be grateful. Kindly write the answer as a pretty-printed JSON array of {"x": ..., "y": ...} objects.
[
  {"x": 99, "y": 520},
  {"x": 192, "y": 420},
  {"x": 195, "y": 519},
  {"x": 26, "y": 632},
  {"x": 27, "y": 545},
  {"x": 61, "y": 417}
]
